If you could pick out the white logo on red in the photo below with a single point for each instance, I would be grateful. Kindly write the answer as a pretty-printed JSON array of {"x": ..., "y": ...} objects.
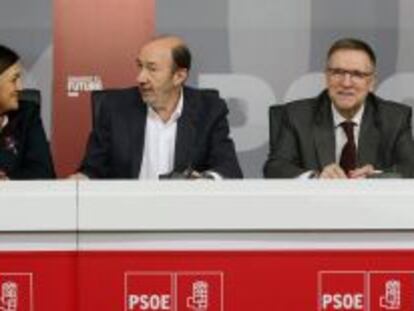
[
  {"x": 78, "y": 84},
  {"x": 391, "y": 300},
  {"x": 16, "y": 292},
  {"x": 366, "y": 290},
  {"x": 174, "y": 291},
  {"x": 8, "y": 296},
  {"x": 198, "y": 301}
]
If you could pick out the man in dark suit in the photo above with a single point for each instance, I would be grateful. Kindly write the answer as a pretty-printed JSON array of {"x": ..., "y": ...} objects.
[
  {"x": 345, "y": 132},
  {"x": 161, "y": 126}
]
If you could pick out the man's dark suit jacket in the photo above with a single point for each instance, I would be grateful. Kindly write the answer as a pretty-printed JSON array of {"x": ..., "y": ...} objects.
[
  {"x": 307, "y": 140},
  {"x": 116, "y": 143},
  {"x": 24, "y": 149}
]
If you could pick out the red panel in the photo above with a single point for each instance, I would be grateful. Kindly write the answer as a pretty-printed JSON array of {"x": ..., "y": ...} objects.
[
  {"x": 47, "y": 279},
  {"x": 212, "y": 281},
  {"x": 392, "y": 291},
  {"x": 286, "y": 280},
  {"x": 94, "y": 38}
]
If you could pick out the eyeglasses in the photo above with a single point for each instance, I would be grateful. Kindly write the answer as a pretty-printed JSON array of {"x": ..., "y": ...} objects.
[{"x": 355, "y": 75}]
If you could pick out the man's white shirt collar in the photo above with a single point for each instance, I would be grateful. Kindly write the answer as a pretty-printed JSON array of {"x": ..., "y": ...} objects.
[
  {"x": 176, "y": 113},
  {"x": 338, "y": 118},
  {"x": 5, "y": 121}
]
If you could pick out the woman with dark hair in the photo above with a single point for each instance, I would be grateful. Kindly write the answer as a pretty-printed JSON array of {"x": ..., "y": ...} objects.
[{"x": 24, "y": 150}]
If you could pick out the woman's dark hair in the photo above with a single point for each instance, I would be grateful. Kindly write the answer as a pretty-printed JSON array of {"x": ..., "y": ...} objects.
[{"x": 8, "y": 58}]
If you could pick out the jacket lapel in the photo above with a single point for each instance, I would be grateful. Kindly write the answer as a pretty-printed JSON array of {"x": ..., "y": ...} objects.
[
  {"x": 323, "y": 132},
  {"x": 138, "y": 120},
  {"x": 186, "y": 132},
  {"x": 369, "y": 136}
]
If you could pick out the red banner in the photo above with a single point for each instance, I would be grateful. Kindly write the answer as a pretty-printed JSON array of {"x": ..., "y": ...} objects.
[
  {"x": 211, "y": 281},
  {"x": 38, "y": 281},
  {"x": 95, "y": 46}
]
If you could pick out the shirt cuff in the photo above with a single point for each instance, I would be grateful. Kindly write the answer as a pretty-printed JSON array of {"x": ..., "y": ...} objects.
[
  {"x": 307, "y": 175},
  {"x": 214, "y": 175}
]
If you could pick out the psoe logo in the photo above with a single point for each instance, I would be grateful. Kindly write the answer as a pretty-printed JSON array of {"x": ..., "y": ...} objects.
[
  {"x": 16, "y": 292},
  {"x": 342, "y": 290},
  {"x": 391, "y": 300},
  {"x": 78, "y": 84},
  {"x": 174, "y": 291},
  {"x": 198, "y": 301}
]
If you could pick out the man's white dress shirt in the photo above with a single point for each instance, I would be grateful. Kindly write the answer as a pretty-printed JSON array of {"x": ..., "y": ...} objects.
[{"x": 159, "y": 144}]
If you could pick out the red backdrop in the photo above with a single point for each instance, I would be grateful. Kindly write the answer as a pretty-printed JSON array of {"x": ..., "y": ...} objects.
[{"x": 92, "y": 38}]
